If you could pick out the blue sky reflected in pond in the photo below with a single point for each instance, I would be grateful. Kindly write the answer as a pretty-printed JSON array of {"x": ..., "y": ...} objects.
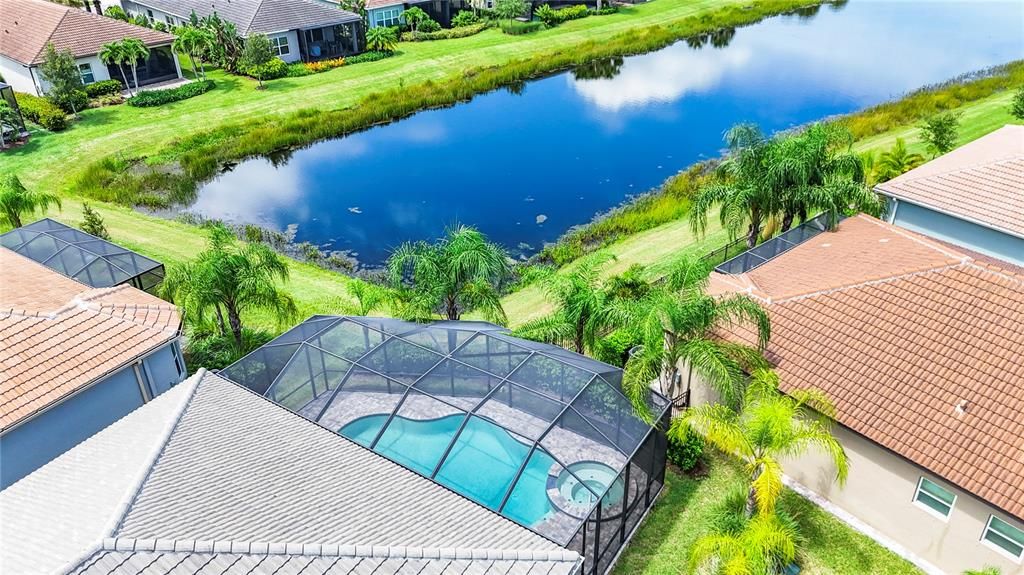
[{"x": 526, "y": 166}]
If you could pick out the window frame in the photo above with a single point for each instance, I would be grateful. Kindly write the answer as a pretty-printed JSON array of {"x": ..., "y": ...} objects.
[
  {"x": 82, "y": 73},
  {"x": 389, "y": 17},
  {"x": 280, "y": 45},
  {"x": 994, "y": 546},
  {"x": 916, "y": 500}
]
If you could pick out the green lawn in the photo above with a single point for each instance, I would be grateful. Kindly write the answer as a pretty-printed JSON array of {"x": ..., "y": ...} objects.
[
  {"x": 49, "y": 159},
  {"x": 684, "y": 510}
]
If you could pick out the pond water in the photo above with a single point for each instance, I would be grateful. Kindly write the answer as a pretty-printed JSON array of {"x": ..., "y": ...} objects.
[{"x": 525, "y": 165}]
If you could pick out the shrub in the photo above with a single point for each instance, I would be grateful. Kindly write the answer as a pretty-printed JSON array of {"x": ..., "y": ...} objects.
[
  {"x": 450, "y": 33},
  {"x": 151, "y": 98},
  {"x": 42, "y": 112},
  {"x": 686, "y": 453},
  {"x": 211, "y": 350},
  {"x": 117, "y": 13},
  {"x": 369, "y": 56},
  {"x": 428, "y": 26},
  {"x": 275, "y": 68},
  {"x": 108, "y": 100},
  {"x": 70, "y": 102},
  {"x": 614, "y": 348},
  {"x": 553, "y": 17},
  {"x": 297, "y": 70},
  {"x": 159, "y": 26},
  {"x": 609, "y": 9},
  {"x": 465, "y": 18},
  {"x": 93, "y": 222},
  {"x": 142, "y": 20},
  {"x": 546, "y": 14},
  {"x": 517, "y": 28},
  {"x": 324, "y": 65},
  {"x": 103, "y": 88}
]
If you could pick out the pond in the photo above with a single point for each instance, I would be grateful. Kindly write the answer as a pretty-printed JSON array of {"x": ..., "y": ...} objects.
[{"x": 526, "y": 164}]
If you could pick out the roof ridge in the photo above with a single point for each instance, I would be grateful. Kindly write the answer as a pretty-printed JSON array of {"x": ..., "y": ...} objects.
[
  {"x": 259, "y": 6},
  {"x": 332, "y": 550},
  {"x": 876, "y": 281},
  {"x": 126, "y": 503}
]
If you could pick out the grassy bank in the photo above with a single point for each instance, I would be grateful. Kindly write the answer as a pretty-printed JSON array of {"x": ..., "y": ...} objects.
[{"x": 685, "y": 511}]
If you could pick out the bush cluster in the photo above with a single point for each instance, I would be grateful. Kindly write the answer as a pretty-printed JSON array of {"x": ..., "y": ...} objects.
[
  {"x": 686, "y": 453},
  {"x": 107, "y": 100},
  {"x": 324, "y": 65},
  {"x": 42, "y": 112},
  {"x": 151, "y": 98},
  {"x": 212, "y": 350},
  {"x": 71, "y": 102},
  {"x": 460, "y": 32},
  {"x": 465, "y": 18},
  {"x": 609, "y": 9},
  {"x": 103, "y": 88},
  {"x": 276, "y": 68},
  {"x": 368, "y": 56},
  {"x": 517, "y": 28},
  {"x": 553, "y": 17}
]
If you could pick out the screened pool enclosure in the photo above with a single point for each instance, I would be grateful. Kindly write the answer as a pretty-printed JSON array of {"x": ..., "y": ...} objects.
[
  {"x": 539, "y": 434},
  {"x": 88, "y": 259}
]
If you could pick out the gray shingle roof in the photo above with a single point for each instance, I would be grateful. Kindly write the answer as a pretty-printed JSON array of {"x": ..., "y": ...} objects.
[
  {"x": 210, "y": 473},
  {"x": 259, "y": 16}
]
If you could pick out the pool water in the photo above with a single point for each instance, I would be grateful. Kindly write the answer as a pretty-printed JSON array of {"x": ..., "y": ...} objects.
[{"x": 482, "y": 464}]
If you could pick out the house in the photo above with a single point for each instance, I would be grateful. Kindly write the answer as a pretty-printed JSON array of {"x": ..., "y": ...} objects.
[
  {"x": 74, "y": 360},
  {"x": 919, "y": 342},
  {"x": 212, "y": 478},
  {"x": 389, "y": 12},
  {"x": 303, "y": 30},
  {"x": 27, "y": 26},
  {"x": 971, "y": 196},
  {"x": 531, "y": 432}
]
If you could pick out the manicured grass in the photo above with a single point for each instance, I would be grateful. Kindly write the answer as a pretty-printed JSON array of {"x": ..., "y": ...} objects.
[{"x": 662, "y": 544}]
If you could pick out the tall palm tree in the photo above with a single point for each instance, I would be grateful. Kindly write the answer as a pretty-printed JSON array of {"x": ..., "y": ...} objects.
[
  {"x": 17, "y": 201},
  {"x": 134, "y": 51},
  {"x": 230, "y": 279},
  {"x": 583, "y": 311},
  {"x": 460, "y": 272},
  {"x": 769, "y": 426},
  {"x": 765, "y": 546},
  {"x": 897, "y": 160},
  {"x": 112, "y": 53},
  {"x": 677, "y": 322},
  {"x": 192, "y": 40},
  {"x": 744, "y": 195}
]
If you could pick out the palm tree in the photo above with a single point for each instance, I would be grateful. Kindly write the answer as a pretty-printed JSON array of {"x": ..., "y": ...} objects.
[
  {"x": 230, "y": 279},
  {"x": 460, "y": 272},
  {"x": 17, "y": 201},
  {"x": 769, "y": 425},
  {"x": 113, "y": 53},
  {"x": 583, "y": 310},
  {"x": 897, "y": 161},
  {"x": 765, "y": 545},
  {"x": 134, "y": 51},
  {"x": 745, "y": 195},
  {"x": 381, "y": 39},
  {"x": 192, "y": 40},
  {"x": 677, "y": 322},
  {"x": 369, "y": 297}
]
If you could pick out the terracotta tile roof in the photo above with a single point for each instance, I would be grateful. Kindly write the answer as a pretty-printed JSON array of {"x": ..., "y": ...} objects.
[
  {"x": 982, "y": 181},
  {"x": 27, "y": 26},
  {"x": 57, "y": 335},
  {"x": 900, "y": 333}
]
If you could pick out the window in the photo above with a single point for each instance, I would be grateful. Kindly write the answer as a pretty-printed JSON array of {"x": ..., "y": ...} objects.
[
  {"x": 1004, "y": 537},
  {"x": 933, "y": 498},
  {"x": 85, "y": 71},
  {"x": 388, "y": 17},
  {"x": 170, "y": 21},
  {"x": 280, "y": 45},
  {"x": 317, "y": 34},
  {"x": 150, "y": 14}
]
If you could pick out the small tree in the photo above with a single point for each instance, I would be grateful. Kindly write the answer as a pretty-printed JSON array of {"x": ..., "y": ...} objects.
[
  {"x": 112, "y": 54},
  {"x": 17, "y": 201},
  {"x": 192, "y": 41},
  {"x": 1017, "y": 108},
  {"x": 509, "y": 9},
  {"x": 8, "y": 117},
  {"x": 117, "y": 13},
  {"x": 413, "y": 16},
  {"x": 60, "y": 70},
  {"x": 256, "y": 54},
  {"x": 134, "y": 51},
  {"x": 381, "y": 39},
  {"x": 93, "y": 222},
  {"x": 940, "y": 132}
]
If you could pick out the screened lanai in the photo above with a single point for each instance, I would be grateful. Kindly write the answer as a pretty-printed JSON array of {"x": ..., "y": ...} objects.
[
  {"x": 530, "y": 430},
  {"x": 88, "y": 259}
]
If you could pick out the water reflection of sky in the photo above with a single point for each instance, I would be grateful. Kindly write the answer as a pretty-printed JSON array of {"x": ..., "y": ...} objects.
[{"x": 525, "y": 167}]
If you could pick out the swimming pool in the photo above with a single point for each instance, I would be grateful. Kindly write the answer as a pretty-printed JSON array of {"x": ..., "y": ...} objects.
[{"x": 482, "y": 464}]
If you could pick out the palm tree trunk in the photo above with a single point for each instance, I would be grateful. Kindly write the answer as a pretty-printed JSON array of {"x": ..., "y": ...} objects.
[
  {"x": 755, "y": 227},
  {"x": 125, "y": 76},
  {"x": 135, "y": 74},
  {"x": 452, "y": 307},
  {"x": 751, "y": 507},
  {"x": 787, "y": 221},
  {"x": 578, "y": 339},
  {"x": 220, "y": 320},
  {"x": 192, "y": 59},
  {"x": 669, "y": 369},
  {"x": 236, "y": 323}
]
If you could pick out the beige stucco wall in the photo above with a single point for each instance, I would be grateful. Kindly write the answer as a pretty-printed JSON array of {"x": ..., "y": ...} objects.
[{"x": 880, "y": 491}]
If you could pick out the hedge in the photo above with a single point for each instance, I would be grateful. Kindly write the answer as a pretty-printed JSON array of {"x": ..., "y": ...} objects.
[
  {"x": 42, "y": 112},
  {"x": 517, "y": 28},
  {"x": 151, "y": 98},
  {"x": 460, "y": 32},
  {"x": 103, "y": 88}
]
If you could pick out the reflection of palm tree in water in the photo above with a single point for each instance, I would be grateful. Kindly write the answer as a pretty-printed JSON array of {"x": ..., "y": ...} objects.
[
  {"x": 718, "y": 38},
  {"x": 603, "y": 69}
]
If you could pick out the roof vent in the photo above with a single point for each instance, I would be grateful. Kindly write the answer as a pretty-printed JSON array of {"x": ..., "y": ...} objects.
[
  {"x": 781, "y": 243},
  {"x": 961, "y": 407}
]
